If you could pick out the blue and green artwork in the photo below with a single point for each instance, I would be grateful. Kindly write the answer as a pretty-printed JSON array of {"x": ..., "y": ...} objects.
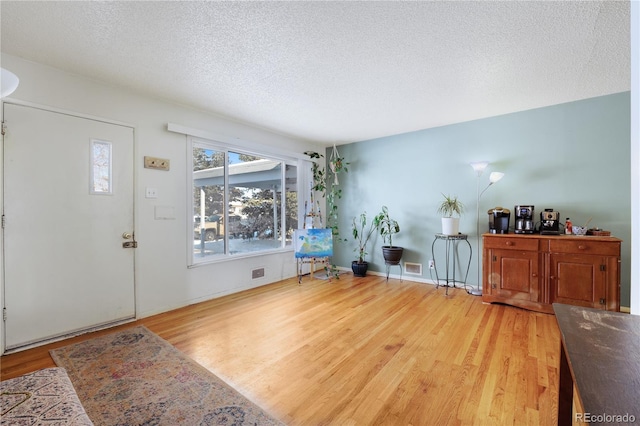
[{"x": 313, "y": 243}]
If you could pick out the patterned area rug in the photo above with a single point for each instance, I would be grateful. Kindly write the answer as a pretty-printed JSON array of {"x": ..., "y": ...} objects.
[
  {"x": 134, "y": 377},
  {"x": 44, "y": 397}
]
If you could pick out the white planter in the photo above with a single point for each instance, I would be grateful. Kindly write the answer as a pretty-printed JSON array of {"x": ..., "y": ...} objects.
[{"x": 450, "y": 225}]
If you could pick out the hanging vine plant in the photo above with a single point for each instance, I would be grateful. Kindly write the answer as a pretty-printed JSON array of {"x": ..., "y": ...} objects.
[
  {"x": 331, "y": 192},
  {"x": 337, "y": 165},
  {"x": 319, "y": 173}
]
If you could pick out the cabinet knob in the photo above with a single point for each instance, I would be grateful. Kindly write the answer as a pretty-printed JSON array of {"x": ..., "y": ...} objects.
[
  {"x": 552, "y": 277},
  {"x": 581, "y": 247},
  {"x": 509, "y": 243},
  {"x": 534, "y": 275}
]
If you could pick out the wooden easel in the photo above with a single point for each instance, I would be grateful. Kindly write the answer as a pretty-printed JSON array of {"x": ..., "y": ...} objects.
[{"x": 313, "y": 217}]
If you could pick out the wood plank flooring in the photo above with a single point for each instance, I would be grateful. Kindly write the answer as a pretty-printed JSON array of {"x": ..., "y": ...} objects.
[{"x": 361, "y": 351}]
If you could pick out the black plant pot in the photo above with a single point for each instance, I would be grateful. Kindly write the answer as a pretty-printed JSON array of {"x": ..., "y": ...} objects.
[
  {"x": 359, "y": 268},
  {"x": 392, "y": 254}
]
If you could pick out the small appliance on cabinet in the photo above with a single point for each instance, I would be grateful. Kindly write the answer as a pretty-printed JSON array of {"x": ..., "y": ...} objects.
[
  {"x": 524, "y": 220},
  {"x": 499, "y": 220},
  {"x": 549, "y": 222}
]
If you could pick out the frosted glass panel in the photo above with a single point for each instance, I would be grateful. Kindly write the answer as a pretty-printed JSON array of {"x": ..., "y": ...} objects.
[{"x": 101, "y": 167}]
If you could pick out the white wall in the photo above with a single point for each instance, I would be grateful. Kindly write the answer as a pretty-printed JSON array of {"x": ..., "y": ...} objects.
[{"x": 163, "y": 281}]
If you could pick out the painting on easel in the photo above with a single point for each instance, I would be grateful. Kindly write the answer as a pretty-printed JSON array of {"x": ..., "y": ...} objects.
[{"x": 313, "y": 243}]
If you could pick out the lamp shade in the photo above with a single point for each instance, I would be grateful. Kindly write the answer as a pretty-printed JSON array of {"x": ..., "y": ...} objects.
[
  {"x": 479, "y": 166},
  {"x": 495, "y": 176},
  {"x": 8, "y": 82}
]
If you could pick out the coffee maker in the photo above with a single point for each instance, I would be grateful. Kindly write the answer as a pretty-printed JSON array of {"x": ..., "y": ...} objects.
[
  {"x": 550, "y": 222},
  {"x": 499, "y": 220},
  {"x": 524, "y": 220}
]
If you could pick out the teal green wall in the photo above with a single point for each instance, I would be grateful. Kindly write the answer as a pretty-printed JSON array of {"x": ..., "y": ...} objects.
[{"x": 573, "y": 157}]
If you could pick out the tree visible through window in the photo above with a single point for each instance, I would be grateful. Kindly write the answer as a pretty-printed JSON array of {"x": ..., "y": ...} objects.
[{"x": 238, "y": 204}]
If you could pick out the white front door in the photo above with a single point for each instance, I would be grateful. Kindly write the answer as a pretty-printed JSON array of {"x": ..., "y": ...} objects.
[{"x": 68, "y": 207}]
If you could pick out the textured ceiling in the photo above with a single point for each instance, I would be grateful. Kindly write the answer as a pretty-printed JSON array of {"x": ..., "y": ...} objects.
[{"x": 336, "y": 72}]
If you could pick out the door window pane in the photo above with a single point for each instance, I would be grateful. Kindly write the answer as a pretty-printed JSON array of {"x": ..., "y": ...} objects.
[{"x": 100, "y": 167}]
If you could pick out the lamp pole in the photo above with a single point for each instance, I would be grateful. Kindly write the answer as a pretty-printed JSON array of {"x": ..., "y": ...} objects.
[
  {"x": 477, "y": 291},
  {"x": 479, "y": 168}
]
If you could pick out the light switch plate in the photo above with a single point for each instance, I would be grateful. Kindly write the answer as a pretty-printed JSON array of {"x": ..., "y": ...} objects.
[
  {"x": 156, "y": 163},
  {"x": 151, "y": 193}
]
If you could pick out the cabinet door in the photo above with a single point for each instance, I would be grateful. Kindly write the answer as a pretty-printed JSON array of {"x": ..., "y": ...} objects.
[
  {"x": 514, "y": 274},
  {"x": 577, "y": 280}
]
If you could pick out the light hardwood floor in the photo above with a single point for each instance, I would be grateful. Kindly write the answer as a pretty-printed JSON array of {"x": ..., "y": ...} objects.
[{"x": 361, "y": 351}]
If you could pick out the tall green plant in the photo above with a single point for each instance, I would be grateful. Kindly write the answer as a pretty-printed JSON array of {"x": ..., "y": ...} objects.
[
  {"x": 362, "y": 235},
  {"x": 386, "y": 226}
]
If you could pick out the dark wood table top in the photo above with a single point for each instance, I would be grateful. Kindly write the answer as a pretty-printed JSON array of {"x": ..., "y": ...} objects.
[{"x": 603, "y": 352}]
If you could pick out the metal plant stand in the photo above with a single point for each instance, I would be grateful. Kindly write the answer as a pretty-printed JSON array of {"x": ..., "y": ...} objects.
[
  {"x": 451, "y": 243},
  {"x": 389, "y": 265}
]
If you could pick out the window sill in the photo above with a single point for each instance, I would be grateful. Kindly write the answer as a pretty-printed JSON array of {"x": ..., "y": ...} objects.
[{"x": 222, "y": 258}]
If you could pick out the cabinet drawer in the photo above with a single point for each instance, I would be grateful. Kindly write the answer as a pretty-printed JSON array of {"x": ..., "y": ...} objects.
[
  {"x": 585, "y": 247},
  {"x": 512, "y": 243}
]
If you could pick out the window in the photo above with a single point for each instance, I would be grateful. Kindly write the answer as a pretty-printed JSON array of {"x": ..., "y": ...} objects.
[
  {"x": 242, "y": 202},
  {"x": 101, "y": 167}
]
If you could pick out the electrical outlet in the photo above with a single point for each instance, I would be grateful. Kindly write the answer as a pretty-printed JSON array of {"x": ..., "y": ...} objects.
[{"x": 432, "y": 264}]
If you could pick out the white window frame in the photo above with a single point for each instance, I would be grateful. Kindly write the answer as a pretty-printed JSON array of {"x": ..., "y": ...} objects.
[{"x": 220, "y": 146}]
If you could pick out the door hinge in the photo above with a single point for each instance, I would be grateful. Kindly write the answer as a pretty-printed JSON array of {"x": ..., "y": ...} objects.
[
  {"x": 4, "y": 314},
  {"x": 4, "y": 128},
  {"x": 2, "y": 221},
  {"x": 603, "y": 301},
  {"x": 603, "y": 268},
  {"x": 495, "y": 258}
]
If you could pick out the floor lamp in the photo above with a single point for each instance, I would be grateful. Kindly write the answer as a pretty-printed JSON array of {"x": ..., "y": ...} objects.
[{"x": 479, "y": 167}]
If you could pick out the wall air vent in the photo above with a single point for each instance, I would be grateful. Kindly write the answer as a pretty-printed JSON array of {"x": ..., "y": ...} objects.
[
  {"x": 413, "y": 268},
  {"x": 257, "y": 273}
]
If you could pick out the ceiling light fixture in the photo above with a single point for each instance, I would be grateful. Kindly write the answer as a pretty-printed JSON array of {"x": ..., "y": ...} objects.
[{"x": 8, "y": 82}]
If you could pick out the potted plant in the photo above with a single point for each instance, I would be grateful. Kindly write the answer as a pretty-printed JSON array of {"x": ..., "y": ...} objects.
[
  {"x": 362, "y": 235},
  {"x": 387, "y": 228},
  {"x": 449, "y": 207}
]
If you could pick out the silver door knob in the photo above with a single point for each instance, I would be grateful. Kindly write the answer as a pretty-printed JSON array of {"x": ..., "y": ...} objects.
[{"x": 127, "y": 235}]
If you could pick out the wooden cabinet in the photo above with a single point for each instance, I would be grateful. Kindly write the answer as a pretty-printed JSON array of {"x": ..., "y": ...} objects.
[
  {"x": 534, "y": 271},
  {"x": 513, "y": 271}
]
